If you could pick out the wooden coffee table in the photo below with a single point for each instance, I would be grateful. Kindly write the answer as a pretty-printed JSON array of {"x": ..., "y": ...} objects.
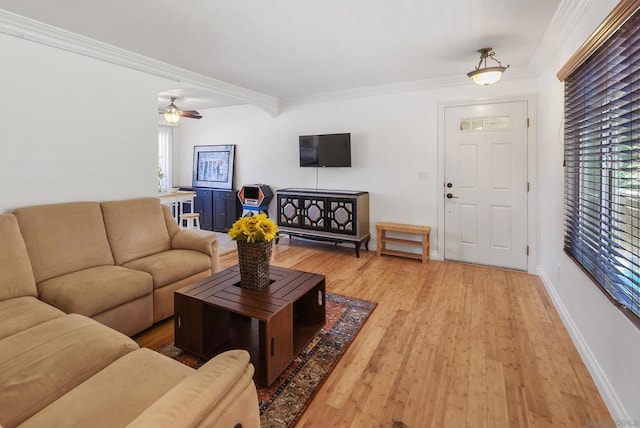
[{"x": 216, "y": 314}]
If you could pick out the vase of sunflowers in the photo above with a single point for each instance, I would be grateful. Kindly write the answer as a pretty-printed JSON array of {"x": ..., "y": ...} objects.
[{"x": 254, "y": 236}]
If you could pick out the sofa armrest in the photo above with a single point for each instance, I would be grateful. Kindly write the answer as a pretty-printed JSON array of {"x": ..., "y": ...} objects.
[
  {"x": 207, "y": 244},
  {"x": 221, "y": 393}
]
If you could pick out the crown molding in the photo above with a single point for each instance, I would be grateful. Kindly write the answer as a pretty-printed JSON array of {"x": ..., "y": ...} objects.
[
  {"x": 616, "y": 18},
  {"x": 38, "y": 32},
  {"x": 368, "y": 91},
  {"x": 564, "y": 20},
  {"x": 393, "y": 88}
]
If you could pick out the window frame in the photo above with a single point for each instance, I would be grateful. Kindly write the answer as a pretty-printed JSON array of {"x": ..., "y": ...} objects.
[{"x": 600, "y": 132}]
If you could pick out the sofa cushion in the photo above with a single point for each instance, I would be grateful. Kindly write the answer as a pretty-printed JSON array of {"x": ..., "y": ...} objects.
[
  {"x": 39, "y": 365},
  {"x": 64, "y": 238},
  {"x": 91, "y": 291},
  {"x": 116, "y": 395},
  {"x": 171, "y": 266},
  {"x": 16, "y": 275},
  {"x": 21, "y": 313},
  {"x": 136, "y": 228}
]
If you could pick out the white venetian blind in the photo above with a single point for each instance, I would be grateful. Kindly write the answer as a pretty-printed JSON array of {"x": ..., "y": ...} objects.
[{"x": 165, "y": 149}]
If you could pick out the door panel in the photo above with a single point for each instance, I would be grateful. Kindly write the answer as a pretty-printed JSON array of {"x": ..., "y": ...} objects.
[
  {"x": 501, "y": 166},
  {"x": 468, "y": 177},
  {"x": 289, "y": 211},
  {"x": 485, "y": 219},
  {"x": 342, "y": 216},
  {"x": 314, "y": 213},
  {"x": 468, "y": 225},
  {"x": 501, "y": 227}
]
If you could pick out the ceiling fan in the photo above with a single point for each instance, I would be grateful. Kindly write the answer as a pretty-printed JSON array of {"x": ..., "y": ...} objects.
[{"x": 173, "y": 114}]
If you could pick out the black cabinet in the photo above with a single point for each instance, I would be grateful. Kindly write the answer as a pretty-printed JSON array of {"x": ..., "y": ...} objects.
[
  {"x": 204, "y": 206},
  {"x": 226, "y": 209},
  {"x": 331, "y": 215},
  {"x": 218, "y": 208}
]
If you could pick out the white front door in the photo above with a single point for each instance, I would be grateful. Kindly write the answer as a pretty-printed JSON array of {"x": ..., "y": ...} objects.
[{"x": 485, "y": 188}]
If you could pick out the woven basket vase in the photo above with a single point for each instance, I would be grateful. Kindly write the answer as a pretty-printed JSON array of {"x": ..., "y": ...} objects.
[{"x": 254, "y": 259}]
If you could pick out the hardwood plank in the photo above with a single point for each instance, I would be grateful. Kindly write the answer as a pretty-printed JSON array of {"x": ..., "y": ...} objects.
[
  {"x": 338, "y": 389},
  {"x": 449, "y": 345}
]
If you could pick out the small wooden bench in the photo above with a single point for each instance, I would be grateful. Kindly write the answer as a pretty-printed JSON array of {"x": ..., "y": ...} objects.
[{"x": 384, "y": 227}]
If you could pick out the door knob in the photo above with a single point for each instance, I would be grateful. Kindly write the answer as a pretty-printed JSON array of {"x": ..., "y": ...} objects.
[
  {"x": 449, "y": 185},
  {"x": 450, "y": 196}
]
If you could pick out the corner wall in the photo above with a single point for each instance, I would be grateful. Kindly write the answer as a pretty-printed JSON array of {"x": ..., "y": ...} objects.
[
  {"x": 74, "y": 128},
  {"x": 607, "y": 341}
]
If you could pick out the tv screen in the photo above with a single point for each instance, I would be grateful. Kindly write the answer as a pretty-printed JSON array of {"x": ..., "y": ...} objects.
[
  {"x": 251, "y": 192},
  {"x": 330, "y": 150}
]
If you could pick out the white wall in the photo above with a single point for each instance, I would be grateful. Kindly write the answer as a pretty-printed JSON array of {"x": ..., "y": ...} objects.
[
  {"x": 73, "y": 128},
  {"x": 393, "y": 139},
  {"x": 606, "y": 339}
]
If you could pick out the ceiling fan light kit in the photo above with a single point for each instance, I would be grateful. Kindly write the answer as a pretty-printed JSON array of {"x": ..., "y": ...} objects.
[
  {"x": 486, "y": 76},
  {"x": 172, "y": 113}
]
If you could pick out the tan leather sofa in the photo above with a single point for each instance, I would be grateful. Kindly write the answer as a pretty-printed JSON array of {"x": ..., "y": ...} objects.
[
  {"x": 117, "y": 262},
  {"x": 63, "y": 370}
]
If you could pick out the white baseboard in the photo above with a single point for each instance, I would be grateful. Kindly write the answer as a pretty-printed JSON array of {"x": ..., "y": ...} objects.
[{"x": 616, "y": 408}]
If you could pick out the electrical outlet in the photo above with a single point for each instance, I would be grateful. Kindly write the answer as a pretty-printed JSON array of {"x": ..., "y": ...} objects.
[{"x": 423, "y": 176}]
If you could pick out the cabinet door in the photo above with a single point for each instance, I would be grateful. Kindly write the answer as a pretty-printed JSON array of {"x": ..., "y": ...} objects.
[
  {"x": 225, "y": 212},
  {"x": 204, "y": 206},
  {"x": 342, "y": 215},
  {"x": 288, "y": 210},
  {"x": 314, "y": 213}
]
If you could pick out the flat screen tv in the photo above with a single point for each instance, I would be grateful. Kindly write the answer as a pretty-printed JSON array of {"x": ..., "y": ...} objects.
[{"x": 330, "y": 150}]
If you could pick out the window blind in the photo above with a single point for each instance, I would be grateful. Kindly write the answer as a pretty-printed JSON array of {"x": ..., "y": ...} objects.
[
  {"x": 602, "y": 166},
  {"x": 165, "y": 158}
]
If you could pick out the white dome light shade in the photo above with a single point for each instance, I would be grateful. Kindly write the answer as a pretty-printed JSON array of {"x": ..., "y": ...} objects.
[{"x": 486, "y": 76}]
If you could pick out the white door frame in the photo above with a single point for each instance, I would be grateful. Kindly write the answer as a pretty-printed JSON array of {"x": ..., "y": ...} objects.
[{"x": 532, "y": 198}]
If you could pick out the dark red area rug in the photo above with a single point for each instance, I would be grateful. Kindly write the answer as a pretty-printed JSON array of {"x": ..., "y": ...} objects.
[{"x": 282, "y": 404}]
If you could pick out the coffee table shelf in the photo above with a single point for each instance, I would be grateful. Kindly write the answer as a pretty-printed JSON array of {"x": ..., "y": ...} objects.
[{"x": 215, "y": 314}]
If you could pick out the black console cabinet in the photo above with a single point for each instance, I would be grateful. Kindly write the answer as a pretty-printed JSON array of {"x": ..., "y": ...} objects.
[
  {"x": 327, "y": 215},
  {"x": 218, "y": 208},
  {"x": 226, "y": 209},
  {"x": 204, "y": 205}
]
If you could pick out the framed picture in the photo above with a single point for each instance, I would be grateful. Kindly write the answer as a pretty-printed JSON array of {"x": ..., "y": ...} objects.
[{"x": 213, "y": 166}]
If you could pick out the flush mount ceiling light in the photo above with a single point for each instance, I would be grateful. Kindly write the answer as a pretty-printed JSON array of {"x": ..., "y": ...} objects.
[{"x": 486, "y": 76}]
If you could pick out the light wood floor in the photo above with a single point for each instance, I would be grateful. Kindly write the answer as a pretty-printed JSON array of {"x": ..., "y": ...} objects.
[{"x": 449, "y": 345}]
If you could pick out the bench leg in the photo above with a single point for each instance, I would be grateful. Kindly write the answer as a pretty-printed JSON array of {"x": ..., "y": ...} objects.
[
  {"x": 380, "y": 241},
  {"x": 425, "y": 248}
]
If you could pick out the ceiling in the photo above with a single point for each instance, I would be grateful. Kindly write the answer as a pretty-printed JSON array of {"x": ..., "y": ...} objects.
[{"x": 291, "y": 49}]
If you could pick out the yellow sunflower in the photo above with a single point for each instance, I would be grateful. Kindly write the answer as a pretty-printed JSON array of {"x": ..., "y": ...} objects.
[{"x": 258, "y": 228}]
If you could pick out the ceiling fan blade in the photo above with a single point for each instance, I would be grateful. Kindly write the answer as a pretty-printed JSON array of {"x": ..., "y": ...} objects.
[{"x": 191, "y": 114}]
